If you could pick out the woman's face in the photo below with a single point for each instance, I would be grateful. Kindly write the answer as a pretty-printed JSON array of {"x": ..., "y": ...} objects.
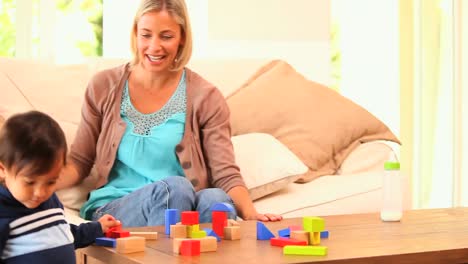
[{"x": 158, "y": 40}]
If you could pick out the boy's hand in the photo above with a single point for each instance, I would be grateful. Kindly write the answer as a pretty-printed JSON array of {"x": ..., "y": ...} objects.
[{"x": 107, "y": 221}]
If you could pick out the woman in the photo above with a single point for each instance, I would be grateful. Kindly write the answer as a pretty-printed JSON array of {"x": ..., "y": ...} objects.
[{"x": 158, "y": 133}]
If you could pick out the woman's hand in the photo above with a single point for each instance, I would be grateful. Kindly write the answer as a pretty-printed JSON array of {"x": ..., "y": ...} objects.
[
  {"x": 245, "y": 208},
  {"x": 108, "y": 221},
  {"x": 265, "y": 217}
]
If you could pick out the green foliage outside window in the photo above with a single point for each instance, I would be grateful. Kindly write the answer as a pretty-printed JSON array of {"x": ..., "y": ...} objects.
[
  {"x": 335, "y": 57},
  {"x": 93, "y": 11},
  {"x": 7, "y": 25},
  {"x": 91, "y": 8}
]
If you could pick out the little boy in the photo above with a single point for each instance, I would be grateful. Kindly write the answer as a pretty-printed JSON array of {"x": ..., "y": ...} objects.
[{"x": 33, "y": 228}]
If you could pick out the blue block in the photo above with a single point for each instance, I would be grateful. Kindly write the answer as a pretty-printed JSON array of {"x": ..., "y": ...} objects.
[
  {"x": 263, "y": 233},
  {"x": 324, "y": 234},
  {"x": 210, "y": 232},
  {"x": 105, "y": 242},
  {"x": 171, "y": 217},
  {"x": 223, "y": 207},
  {"x": 284, "y": 232}
]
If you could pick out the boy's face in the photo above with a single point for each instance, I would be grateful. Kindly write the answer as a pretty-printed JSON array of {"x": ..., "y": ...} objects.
[{"x": 31, "y": 190}]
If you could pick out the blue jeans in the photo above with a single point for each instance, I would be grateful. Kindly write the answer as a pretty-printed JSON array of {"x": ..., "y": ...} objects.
[{"x": 146, "y": 206}]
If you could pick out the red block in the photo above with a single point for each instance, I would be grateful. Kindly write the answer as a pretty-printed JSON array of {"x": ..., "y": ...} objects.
[
  {"x": 219, "y": 221},
  {"x": 283, "y": 241},
  {"x": 189, "y": 218},
  {"x": 112, "y": 229},
  {"x": 119, "y": 234},
  {"x": 190, "y": 247}
]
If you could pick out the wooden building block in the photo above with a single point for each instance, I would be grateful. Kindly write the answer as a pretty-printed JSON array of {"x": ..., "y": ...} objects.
[
  {"x": 232, "y": 233},
  {"x": 305, "y": 250},
  {"x": 146, "y": 235},
  {"x": 263, "y": 233},
  {"x": 210, "y": 232},
  {"x": 171, "y": 216},
  {"x": 283, "y": 241},
  {"x": 197, "y": 234},
  {"x": 189, "y": 218},
  {"x": 190, "y": 247},
  {"x": 178, "y": 231},
  {"x": 208, "y": 244},
  {"x": 313, "y": 224},
  {"x": 176, "y": 244},
  {"x": 286, "y": 232},
  {"x": 112, "y": 229},
  {"x": 232, "y": 222},
  {"x": 324, "y": 234},
  {"x": 193, "y": 228},
  {"x": 222, "y": 207},
  {"x": 130, "y": 244},
  {"x": 295, "y": 228},
  {"x": 119, "y": 233},
  {"x": 219, "y": 221},
  {"x": 315, "y": 238},
  {"x": 105, "y": 242},
  {"x": 301, "y": 235}
]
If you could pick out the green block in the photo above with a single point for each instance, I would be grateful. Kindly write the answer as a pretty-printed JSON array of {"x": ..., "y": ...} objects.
[
  {"x": 305, "y": 250},
  {"x": 313, "y": 224},
  {"x": 197, "y": 234}
]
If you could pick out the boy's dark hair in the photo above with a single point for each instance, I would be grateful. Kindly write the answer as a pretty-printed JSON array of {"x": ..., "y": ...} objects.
[{"x": 31, "y": 140}]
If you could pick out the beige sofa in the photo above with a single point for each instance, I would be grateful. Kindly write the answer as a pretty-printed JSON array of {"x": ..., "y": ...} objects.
[{"x": 270, "y": 162}]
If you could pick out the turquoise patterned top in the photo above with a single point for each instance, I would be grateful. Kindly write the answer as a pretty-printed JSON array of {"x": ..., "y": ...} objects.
[{"x": 147, "y": 150}]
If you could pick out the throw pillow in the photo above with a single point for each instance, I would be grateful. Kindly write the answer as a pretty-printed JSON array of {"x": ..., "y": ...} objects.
[
  {"x": 265, "y": 163},
  {"x": 316, "y": 123}
]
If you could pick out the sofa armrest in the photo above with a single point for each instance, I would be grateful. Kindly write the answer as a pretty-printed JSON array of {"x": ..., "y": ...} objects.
[{"x": 370, "y": 156}]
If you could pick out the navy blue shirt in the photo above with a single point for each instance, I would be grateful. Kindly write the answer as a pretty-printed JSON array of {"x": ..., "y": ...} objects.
[{"x": 40, "y": 235}]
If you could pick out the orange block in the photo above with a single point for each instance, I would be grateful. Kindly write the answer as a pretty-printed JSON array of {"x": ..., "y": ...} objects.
[
  {"x": 130, "y": 244},
  {"x": 232, "y": 233}
]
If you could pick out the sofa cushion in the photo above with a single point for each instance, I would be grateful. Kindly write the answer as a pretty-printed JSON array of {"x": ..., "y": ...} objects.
[
  {"x": 265, "y": 163},
  {"x": 368, "y": 157},
  {"x": 12, "y": 99},
  {"x": 229, "y": 77},
  {"x": 316, "y": 123}
]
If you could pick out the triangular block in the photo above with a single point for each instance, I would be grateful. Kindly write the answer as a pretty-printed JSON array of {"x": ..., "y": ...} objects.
[
  {"x": 210, "y": 232},
  {"x": 263, "y": 233}
]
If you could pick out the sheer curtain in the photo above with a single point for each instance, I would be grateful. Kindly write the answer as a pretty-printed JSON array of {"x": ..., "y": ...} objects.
[{"x": 434, "y": 131}]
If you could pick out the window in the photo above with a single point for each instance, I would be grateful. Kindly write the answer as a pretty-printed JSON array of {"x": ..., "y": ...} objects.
[
  {"x": 8, "y": 32},
  {"x": 62, "y": 31}
]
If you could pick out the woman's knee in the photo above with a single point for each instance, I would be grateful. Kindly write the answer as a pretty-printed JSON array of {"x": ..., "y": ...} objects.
[
  {"x": 181, "y": 192},
  {"x": 212, "y": 196}
]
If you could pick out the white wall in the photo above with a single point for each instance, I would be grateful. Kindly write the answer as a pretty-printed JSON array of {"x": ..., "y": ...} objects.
[
  {"x": 294, "y": 30},
  {"x": 369, "y": 42}
]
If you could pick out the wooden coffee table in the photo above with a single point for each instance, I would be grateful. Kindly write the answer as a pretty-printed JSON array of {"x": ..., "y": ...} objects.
[{"x": 423, "y": 236}]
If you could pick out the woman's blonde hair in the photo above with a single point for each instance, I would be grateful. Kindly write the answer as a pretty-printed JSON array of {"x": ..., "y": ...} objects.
[{"x": 178, "y": 10}]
